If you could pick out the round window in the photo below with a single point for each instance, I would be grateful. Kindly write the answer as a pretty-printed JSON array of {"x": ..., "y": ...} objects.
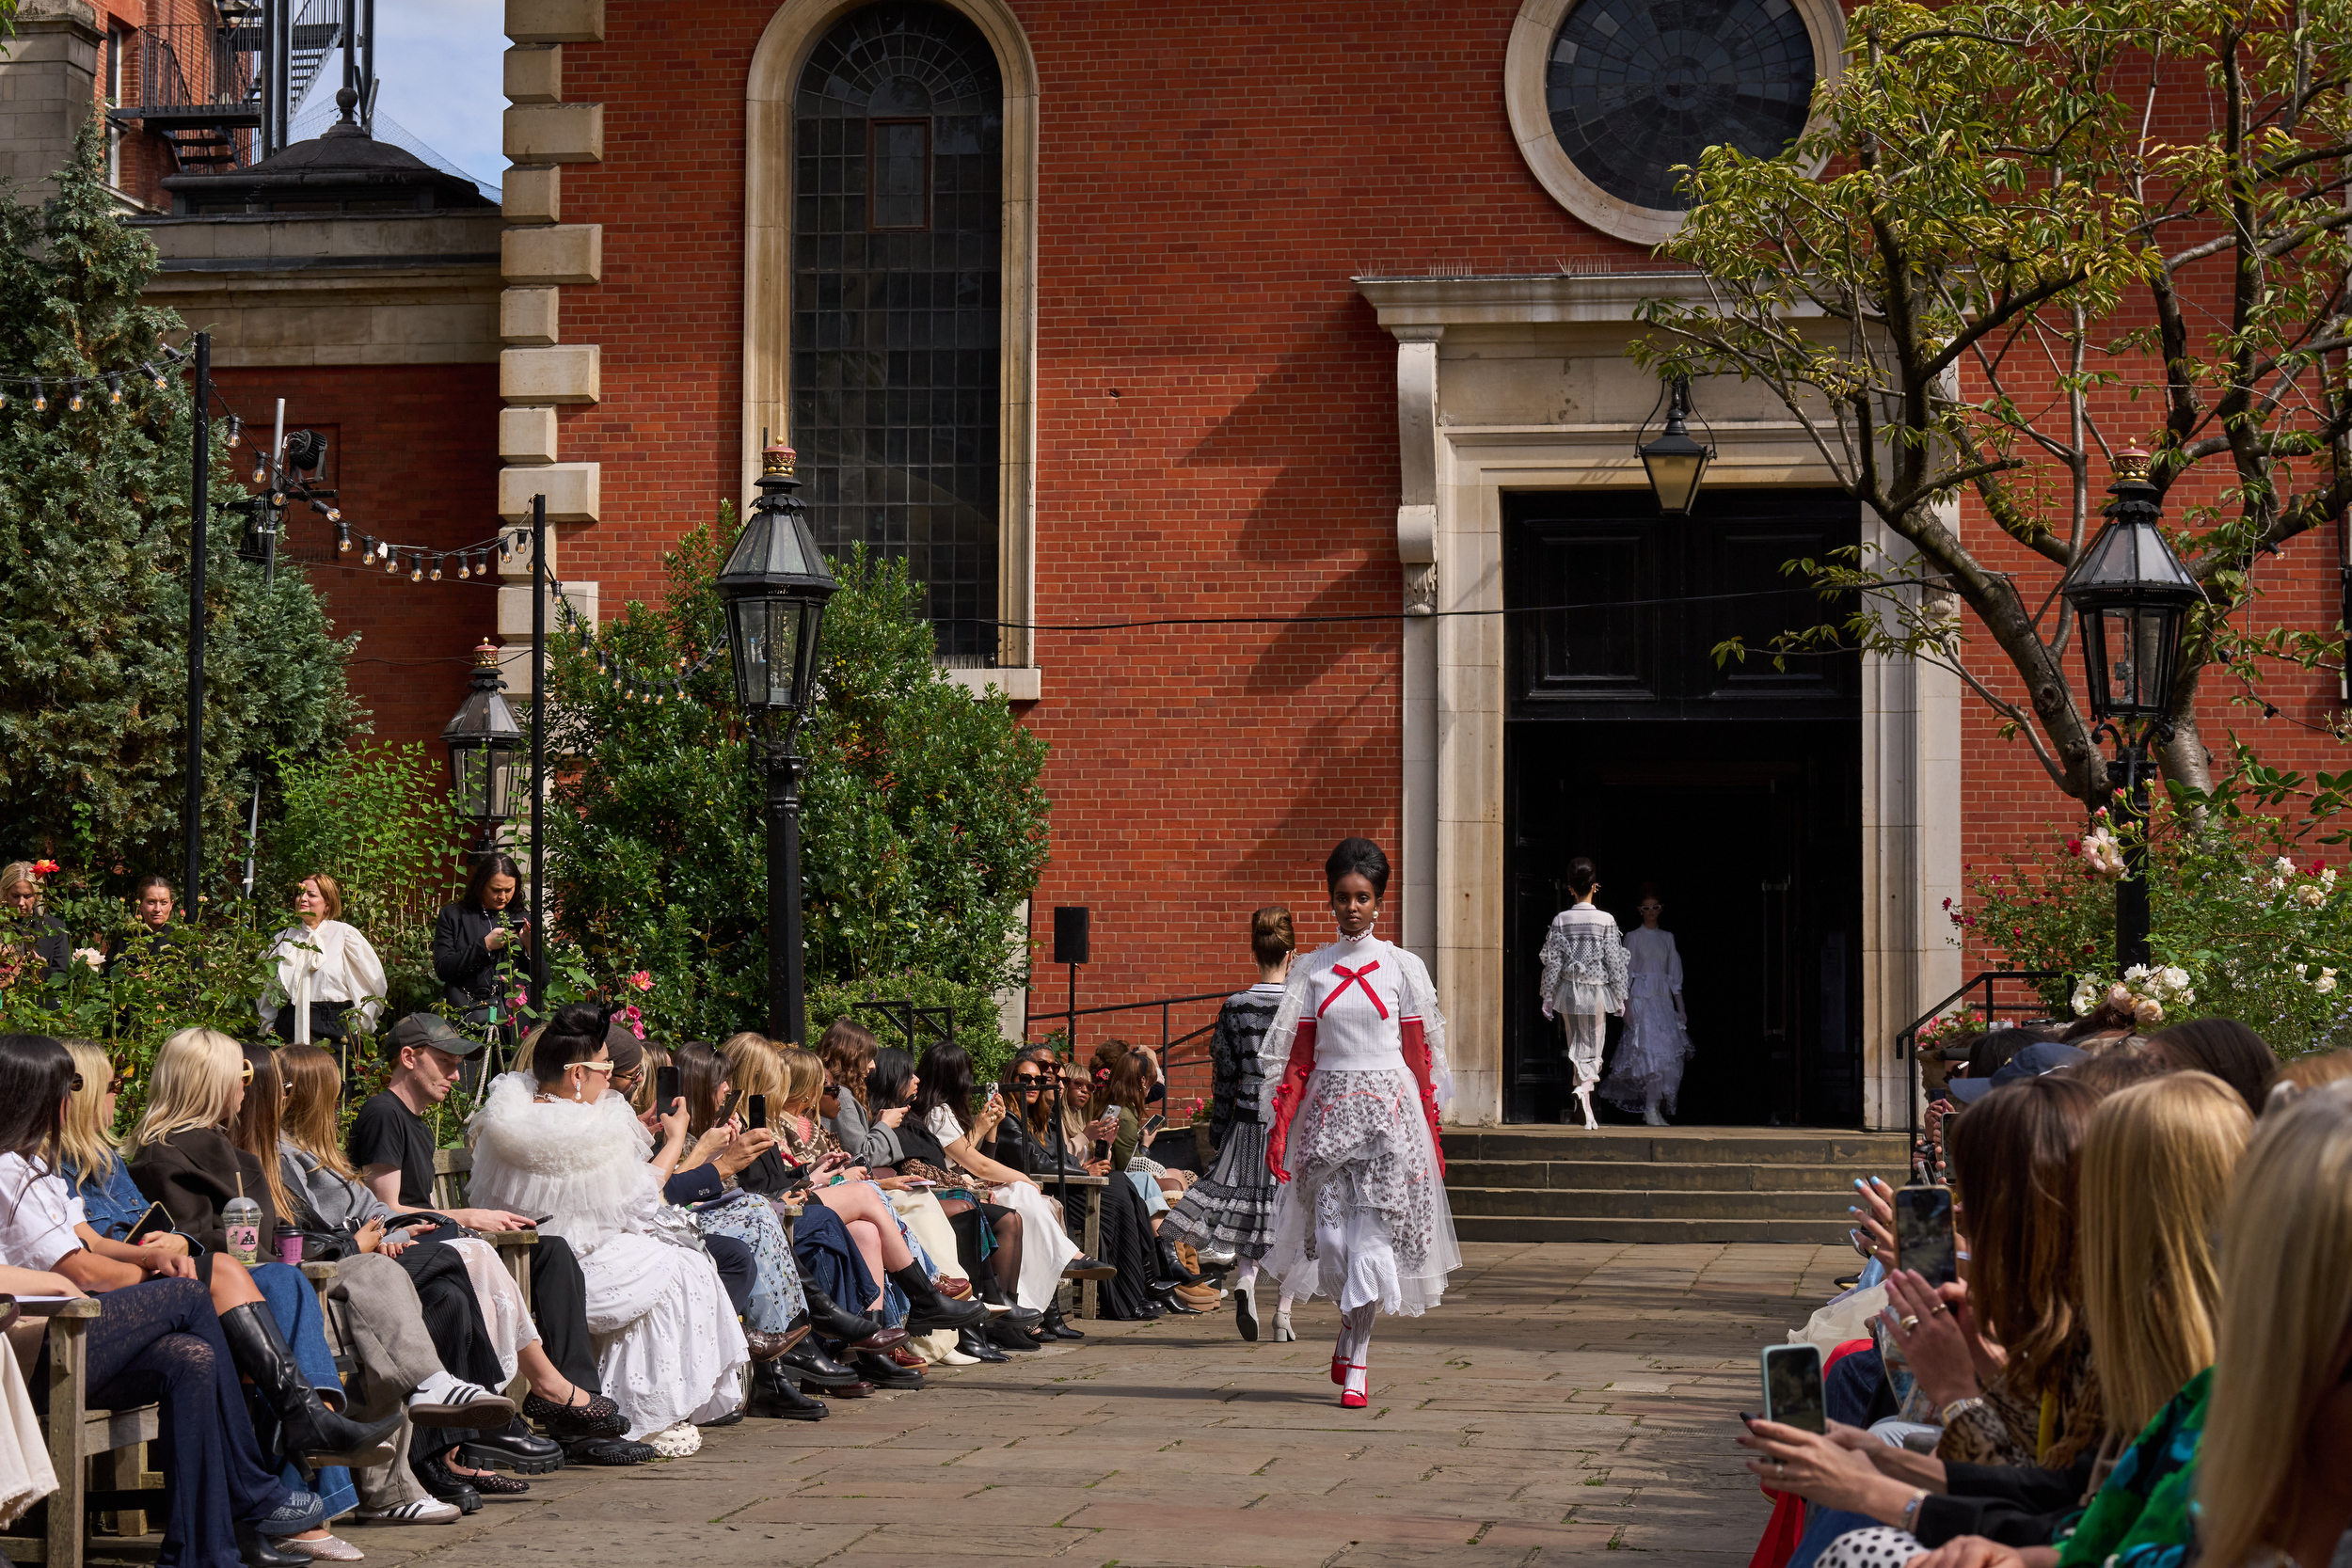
[{"x": 1610, "y": 96}]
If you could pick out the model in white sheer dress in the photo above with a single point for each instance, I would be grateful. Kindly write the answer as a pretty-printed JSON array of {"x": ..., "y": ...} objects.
[
  {"x": 1647, "y": 1072},
  {"x": 1585, "y": 979},
  {"x": 1360, "y": 1214}
]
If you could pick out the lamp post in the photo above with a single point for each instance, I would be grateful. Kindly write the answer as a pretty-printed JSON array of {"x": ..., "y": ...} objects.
[
  {"x": 2131, "y": 598},
  {"x": 1676, "y": 460},
  {"x": 775, "y": 585},
  {"x": 483, "y": 740}
]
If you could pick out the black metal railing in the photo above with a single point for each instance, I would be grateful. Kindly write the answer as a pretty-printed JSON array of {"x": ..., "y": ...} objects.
[
  {"x": 907, "y": 1015},
  {"x": 1178, "y": 1064},
  {"x": 191, "y": 74},
  {"x": 2028, "y": 1005}
]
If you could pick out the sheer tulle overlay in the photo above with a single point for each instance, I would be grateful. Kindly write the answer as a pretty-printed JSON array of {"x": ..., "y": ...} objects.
[{"x": 1364, "y": 1218}]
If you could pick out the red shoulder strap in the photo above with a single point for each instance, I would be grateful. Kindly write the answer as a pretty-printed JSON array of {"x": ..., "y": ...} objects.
[{"x": 1286, "y": 1097}]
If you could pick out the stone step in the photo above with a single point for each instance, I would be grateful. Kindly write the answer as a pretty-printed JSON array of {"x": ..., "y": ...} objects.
[
  {"x": 1660, "y": 1176},
  {"x": 1576, "y": 1203},
  {"x": 1682, "y": 1145},
  {"x": 1682, "y": 1232}
]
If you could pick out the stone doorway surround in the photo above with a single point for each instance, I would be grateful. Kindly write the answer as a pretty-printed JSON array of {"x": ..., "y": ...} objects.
[{"x": 1522, "y": 383}]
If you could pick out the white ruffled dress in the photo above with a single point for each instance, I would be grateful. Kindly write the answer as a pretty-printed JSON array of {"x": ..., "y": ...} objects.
[
  {"x": 1362, "y": 1217},
  {"x": 668, "y": 1346}
]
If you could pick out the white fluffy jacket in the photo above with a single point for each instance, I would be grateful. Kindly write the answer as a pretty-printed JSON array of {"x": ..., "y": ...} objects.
[{"x": 584, "y": 1166}]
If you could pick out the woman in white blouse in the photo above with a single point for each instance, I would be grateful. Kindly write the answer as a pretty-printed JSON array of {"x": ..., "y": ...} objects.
[{"x": 326, "y": 970}]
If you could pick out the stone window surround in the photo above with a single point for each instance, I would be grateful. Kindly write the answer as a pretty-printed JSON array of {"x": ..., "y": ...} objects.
[
  {"x": 1454, "y": 473},
  {"x": 1524, "y": 65},
  {"x": 791, "y": 34}
]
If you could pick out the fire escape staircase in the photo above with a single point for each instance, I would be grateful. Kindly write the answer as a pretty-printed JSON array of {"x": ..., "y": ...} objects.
[{"x": 200, "y": 84}]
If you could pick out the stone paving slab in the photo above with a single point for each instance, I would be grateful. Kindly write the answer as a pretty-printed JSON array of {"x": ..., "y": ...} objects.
[{"x": 1571, "y": 1399}]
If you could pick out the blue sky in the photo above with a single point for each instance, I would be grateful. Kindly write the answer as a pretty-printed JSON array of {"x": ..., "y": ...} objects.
[{"x": 441, "y": 63}]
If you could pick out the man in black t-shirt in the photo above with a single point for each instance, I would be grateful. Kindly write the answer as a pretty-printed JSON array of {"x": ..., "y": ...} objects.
[{"x": 389, "y": 1142}]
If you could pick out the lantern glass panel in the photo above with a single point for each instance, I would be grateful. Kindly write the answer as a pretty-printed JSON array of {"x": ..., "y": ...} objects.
[
  {"x": 2132, "y": 651},
  {"x": 469, "y": 777},
  {"x": 767, "y": 644},
  {"x": 1675, "y": 476}
]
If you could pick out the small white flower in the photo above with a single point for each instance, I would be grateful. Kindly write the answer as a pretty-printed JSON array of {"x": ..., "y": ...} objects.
[
  {"x": 2311, "y": 894},
  {"x": 2324, "y": 984},
  {"x": 2327, "y": 876},
  {"x": 2282, "y": 863},
  {"x": 2174, "y": 977},
  {"x": 90, "y": 956},
  {"x": 2148, "y": 1010},
  {"x": 2135, "y": 973},
  {"x": 2300, "y": 970}
]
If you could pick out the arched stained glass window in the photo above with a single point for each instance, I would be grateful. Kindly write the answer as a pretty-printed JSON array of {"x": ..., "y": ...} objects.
[{"x": 898, "y": 152}]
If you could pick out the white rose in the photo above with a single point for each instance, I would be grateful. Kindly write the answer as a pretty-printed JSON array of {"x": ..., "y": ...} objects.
[
  {"x": 2148, "y": 1010},
  {"x": 2282, "y": 863},
  {"x": 2324, "y": 984},
  {"x": 2327, "y": 876},
  {"x": 2135, "y": 973},
  {"x": 2175, "y": 976},
  {"x": 2086, "y": 997},
  {"x": 2300, "y": 970},
  {"x": 2311, "y": 894},
  {"x": 90, "y": 956}
]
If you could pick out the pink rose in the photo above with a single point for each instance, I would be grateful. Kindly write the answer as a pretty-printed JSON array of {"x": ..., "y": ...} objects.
[{"x": 642, "y": 980}]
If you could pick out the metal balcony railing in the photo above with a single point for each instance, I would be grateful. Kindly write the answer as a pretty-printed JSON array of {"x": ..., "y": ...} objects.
[{"x": 193, "y": 76}]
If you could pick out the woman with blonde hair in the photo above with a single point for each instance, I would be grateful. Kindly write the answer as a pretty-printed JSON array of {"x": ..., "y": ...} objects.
[
  {"x": 326, "y": 970},
  {"x": 2273, "y": 1486},
  {"x": 182, "y": 1156},
  {"x": 41, "y": 935}
]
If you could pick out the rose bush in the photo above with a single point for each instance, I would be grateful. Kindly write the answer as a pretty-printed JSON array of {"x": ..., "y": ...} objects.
[{"x": 2247, "y": 919}]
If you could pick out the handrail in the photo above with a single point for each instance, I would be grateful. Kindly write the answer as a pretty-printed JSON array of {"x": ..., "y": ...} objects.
[
  {"x": 1907, "y": 1038},
  {"x": 1170, "y": 1043}
]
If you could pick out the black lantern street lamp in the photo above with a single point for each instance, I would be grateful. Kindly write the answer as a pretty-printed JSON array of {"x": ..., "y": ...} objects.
[
  {"x": 775, "y": 585},
  {"x": 1677, "y": 461},
  {"x": 2131, "y": 598},
  {"x": 483, "y": 741}
]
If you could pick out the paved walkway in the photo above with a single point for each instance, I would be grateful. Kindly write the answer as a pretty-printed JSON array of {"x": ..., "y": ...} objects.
[{"x": 1569, "y": 1400}]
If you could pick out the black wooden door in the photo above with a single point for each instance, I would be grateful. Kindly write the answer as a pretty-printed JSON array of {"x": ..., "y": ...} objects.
[{"x": 1734, "y": 788}]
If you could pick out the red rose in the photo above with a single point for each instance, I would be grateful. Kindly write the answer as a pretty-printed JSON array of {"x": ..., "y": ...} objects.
[{"x": 44, "y": 868}]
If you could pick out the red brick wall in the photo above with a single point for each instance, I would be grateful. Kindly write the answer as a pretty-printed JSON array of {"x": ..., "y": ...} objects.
[
  {"x": 412, "y": 453},
  {"x": 1215, "y": 418}
]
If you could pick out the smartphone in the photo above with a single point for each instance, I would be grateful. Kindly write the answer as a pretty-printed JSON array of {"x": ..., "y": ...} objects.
[
  {"x": 1100, "y": 1149},
  {"x": 1923, "y": 1233},
  {"x": 666, "y": 1089},
  {"x": 1154, "y": 1122},
  {"x": 727, "y": 1109},
  {"x": 995, "y": 1092},
  {"x": 154, "y": 1222},
  {"x": 1792, "y": 1388},
  {"x": 757, "y": 1116}
]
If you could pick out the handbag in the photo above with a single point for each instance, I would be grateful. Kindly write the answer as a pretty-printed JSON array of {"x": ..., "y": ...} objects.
[{"x": 669, "y": 1223}]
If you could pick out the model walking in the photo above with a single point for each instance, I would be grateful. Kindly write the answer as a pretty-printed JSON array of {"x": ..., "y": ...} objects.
[
  {"x": 1584, "y": 977},
  {"x": 1647, "y": 1072},
  {"x": 1231, "y": 1209},
  {"x": 1361, "y": 1216}
]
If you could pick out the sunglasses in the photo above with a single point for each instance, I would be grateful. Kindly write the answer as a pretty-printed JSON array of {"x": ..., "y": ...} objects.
[
  {"x": 605, "y": 1067},
  {"x": 74, "y": 1084},
  {"x": 833, "y": 1088}
]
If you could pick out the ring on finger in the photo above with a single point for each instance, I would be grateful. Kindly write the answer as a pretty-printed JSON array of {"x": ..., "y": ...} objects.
[
  {"x": 1909, "y": 1322},
  {"x": 1938, "y": 1310}
]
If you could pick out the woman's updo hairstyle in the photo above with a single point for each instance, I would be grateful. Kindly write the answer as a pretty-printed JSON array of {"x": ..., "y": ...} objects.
[
  {"x": 1363, "y": 857},
  {"x": 1271, "y": 935},
  {"x": 1582, "y": 875},
  {"x": 574, "y": 1033}
]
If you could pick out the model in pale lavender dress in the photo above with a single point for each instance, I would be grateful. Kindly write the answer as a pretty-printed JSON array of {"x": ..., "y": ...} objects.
[{"x": 1647, "y": 1072}]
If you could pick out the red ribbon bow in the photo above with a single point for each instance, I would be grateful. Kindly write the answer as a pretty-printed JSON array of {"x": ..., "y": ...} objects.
[{"x": 1354, "y": 977}]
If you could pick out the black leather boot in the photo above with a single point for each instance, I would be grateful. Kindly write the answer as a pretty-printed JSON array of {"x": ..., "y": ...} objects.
[
  {"x": 1171, "y": 1267},
  {"x": 1004, "y": 1336},
  {"x": 1058, "y": 1326},
  {"x": 927, "y": 1310},
  {"x": 309, "y": 1432},
  {"x": 976, "y": 1344},
  {"x": 854, "y": 1329},
  {"x": 883, "y": 1372},
  {"x": 808, "y": 1364},
  {"x": 513, "y": 1446},
  {"x": 774, "y": 1398}
]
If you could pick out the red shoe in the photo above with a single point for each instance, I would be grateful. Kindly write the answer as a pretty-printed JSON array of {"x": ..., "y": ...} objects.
[
  {"x": 1338, "y": 1369},
  {"x": 1350, "y": 1400}
]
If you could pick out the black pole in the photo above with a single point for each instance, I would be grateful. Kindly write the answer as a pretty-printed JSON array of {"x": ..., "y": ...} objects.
[
  {"x": 199, "y": 511},
  {"x": 786, "y": 1017},
  {"x": 538, "y": 747},
  {"x": 2130, "y": 894}
]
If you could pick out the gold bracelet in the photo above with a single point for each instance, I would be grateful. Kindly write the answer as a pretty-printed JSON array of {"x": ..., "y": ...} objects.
[{"x": 1957, "y": 1408}]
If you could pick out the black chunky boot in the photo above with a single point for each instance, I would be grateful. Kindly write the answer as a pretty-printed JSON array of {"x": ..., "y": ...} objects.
[
  {"x": 975, "y": 1343},
  {"x": 811, "y": 1365},
  {"x": 927, "y": 1310},
  {"x": 309, "y": 1432},
  {"x": 774, "y": 1398}
]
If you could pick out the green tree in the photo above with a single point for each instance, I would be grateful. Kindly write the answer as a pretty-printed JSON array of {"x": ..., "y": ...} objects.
[
  {"x": 94, "y": 558},
  {"x": 923, "y": 824},
  {"x": 2042, "y": 230}
]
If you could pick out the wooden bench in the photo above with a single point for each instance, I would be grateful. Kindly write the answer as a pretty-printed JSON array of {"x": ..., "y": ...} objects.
[
  {"x": 452, "y": 1167},
  {"x": 114, "y": 1438}
]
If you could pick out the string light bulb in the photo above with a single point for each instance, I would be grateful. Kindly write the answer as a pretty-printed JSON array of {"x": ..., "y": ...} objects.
[
  {"x": 4, "y": 397},
  {"x": 342, "y": 539},
  {"x": 153, "y": 375},
  {"x": 391, "y": 562},
  {"x": 40, "y": 399},
  {"x": 415, "y": 567},
  {"x": 437, "y": 568},
  {"x": 114, "y": 387},
  {"x": 260, "y": 473},
  {"x": 74, "y": 403}
]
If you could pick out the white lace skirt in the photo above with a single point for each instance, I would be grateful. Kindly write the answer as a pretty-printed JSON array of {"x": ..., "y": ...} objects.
[
  {"x": 1363, "y": 1217},
  {"x": 502, "y": 1301},
  {"x": 668, "y": 1346}
]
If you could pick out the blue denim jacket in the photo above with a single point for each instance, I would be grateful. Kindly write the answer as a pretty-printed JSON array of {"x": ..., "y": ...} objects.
[{"x": 112, "y": 1203}]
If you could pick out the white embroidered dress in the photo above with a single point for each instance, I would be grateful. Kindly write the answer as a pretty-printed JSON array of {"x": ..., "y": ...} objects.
[
  {"x": 668, "y": 1346},
  {"x": 1363, "y": 1216}
]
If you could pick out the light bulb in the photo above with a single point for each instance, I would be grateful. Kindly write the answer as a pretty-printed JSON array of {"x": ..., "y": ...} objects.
[
  {"x": 343, "y": 541},
  {"x": 334, "y": 513},
  {"x": 391, "y": 565},
  {"x": 152, "y": 374},
  {"x": 260, "y": 473},
  {"x": 416, "y": 569},
  {"x": 74, "y": 403},
  {"x": 437, "y": 568},
  {"x": 4, "y": 398},
  {"x": 40, "y": 399},
  {"x": 114, "y": 387}
]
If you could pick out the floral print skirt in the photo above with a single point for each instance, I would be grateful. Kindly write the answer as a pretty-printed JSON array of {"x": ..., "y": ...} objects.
[{"x": 1363, "y": 1218}]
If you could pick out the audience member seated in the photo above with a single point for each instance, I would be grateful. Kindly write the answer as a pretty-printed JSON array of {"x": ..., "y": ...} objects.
[
  {"x": 434, "y": 1310},
  {"x": 869, "y": 1135},
  {"x": 2223, "y": 1047},
  {"x": 160, "y": 1340},
  {"x": 392, "y": 1147},
  {"x": 1125, "y": 1079},
  {"x": 551, "y": 1141},
  {"x": 2154, "y": 1169}
]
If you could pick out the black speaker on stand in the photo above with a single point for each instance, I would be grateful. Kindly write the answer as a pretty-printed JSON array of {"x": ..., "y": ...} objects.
[{"x": 1071, "y": 947}]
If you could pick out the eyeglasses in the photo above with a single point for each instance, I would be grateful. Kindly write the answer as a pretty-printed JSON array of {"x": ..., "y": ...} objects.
[{"x": 605, "y": 1067}]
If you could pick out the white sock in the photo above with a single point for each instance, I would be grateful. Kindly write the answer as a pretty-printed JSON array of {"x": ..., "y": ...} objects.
[{"x": 437, "y": 1388}]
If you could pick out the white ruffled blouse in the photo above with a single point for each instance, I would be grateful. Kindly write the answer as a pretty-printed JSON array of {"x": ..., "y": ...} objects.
[
  {"x": 331, "y": 962},
  {"x": 583, "y": 1166}
]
